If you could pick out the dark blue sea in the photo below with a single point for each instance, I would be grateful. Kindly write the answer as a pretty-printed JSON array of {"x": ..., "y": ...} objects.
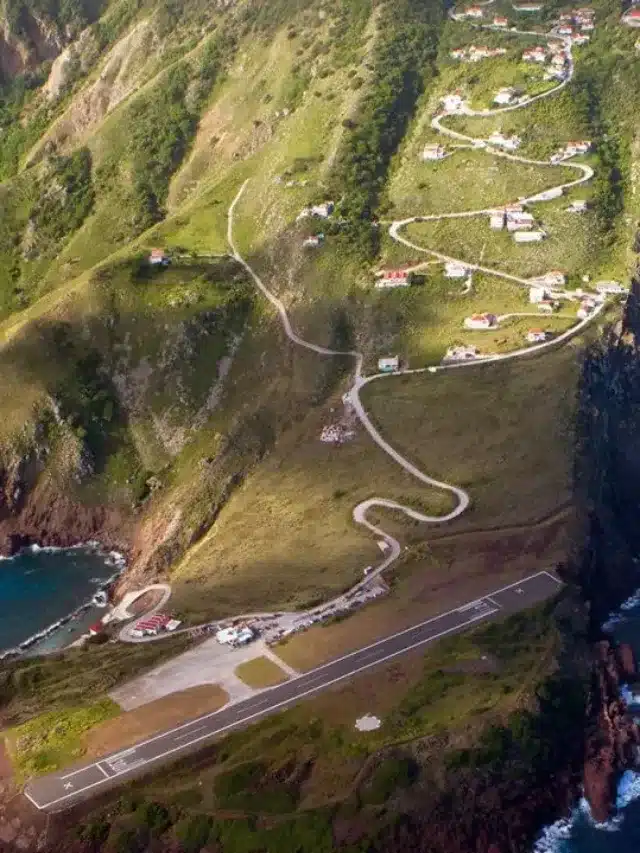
[
  {"x": 578, "y": 833},
  {"x": 41, "y": 586}
]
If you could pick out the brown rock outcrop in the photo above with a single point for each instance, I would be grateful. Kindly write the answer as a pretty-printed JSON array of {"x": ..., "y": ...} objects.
[{"x": 613, "y": 741}]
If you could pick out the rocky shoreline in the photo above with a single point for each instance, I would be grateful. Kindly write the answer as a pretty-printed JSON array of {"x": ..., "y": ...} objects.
[{"x": 613, "y": 738}]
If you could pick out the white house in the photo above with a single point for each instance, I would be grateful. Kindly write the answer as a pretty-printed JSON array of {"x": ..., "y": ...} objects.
[
  {"x": 500, "y": 21},
  {"x": 497, "y": 220},
  {"x": 505, "y": 96},
  {"x": 546, "y": 307},
  {"x": 580, "y": 38},
  {"x": 458, "y": 53},
  {"x": 393, "y": 278},
  {"x": 473, "y": 12},
  {"x": 565, "y": 30},
  {"x": 389, "y": 365},
  {"x": 578, "y": 206},
  {"x": 481, "y": 322},
  {"x": 453, "y": 269},
  {"x": 580, "y": 146},
  {"x": 537, "y": 295},
  {"x": 453, "y": 103},
  {"x": 509, "y": 143},
  {"x": 313, "y": 242},
  {"x": 534, "y": 54},
  {"x": 610, "y": 287},
  {"x": 529, "y": 236},
  {"x": 536, "y": 336},
  {"x": 460, "y": 353},
  {"x": 433, "y": 151},
  {"x": 324, "y": 210},
  {"x": 520, "y": 221}
]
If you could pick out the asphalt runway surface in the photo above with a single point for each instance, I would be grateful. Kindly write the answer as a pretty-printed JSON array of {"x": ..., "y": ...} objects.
[{"x": 61, "y": 790}]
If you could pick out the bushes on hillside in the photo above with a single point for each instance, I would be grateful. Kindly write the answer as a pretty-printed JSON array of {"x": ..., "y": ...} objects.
[{"x": 403, "y": 64}]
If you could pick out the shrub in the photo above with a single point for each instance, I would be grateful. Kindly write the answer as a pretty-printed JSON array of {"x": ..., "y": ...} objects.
[{"x": 192, "y": 833}]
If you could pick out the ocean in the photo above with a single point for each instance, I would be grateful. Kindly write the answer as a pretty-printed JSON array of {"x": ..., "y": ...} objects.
[
  {"x": 578, "y": 833},
  {"x": 39, "y": 587}
]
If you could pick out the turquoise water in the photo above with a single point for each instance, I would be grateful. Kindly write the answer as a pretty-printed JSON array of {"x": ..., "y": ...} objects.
[
  {"x": 40, "y": 586},
  {"x": 579, "y": 833}
]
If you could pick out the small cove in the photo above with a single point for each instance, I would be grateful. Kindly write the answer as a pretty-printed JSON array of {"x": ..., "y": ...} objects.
[{"x": 41, "y": 586}]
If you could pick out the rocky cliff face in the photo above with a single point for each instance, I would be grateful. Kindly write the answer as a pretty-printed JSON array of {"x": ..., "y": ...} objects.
[
  {"x": 614, "y": 740},
  {"x": 38, "y": 41}
]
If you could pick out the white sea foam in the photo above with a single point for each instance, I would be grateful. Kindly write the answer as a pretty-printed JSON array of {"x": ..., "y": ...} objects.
[
  {"x": 628, "y": 789},
  {"x": 112, "y": 559},
  {"x": 620, "y": 615},
  {"x": 628, "y": 695},
  {"x": 556, "y": 837}
]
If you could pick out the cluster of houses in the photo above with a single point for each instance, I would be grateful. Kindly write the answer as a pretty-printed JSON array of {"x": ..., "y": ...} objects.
[
  {"x": 518, "y": 222},
  {"x": 152, "y": 626},
  {"x": 481, "y": 322},
  {"x": 572, "y": 149},
  {"x": 475, "y": 53},
  {"x": 576, "y": 24}
]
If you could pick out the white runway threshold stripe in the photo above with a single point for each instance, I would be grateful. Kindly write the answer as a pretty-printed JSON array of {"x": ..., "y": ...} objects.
[{"x": 57, "y": 791}]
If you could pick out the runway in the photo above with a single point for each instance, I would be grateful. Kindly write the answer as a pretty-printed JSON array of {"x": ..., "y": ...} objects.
[{"x": 58, "y": 791}]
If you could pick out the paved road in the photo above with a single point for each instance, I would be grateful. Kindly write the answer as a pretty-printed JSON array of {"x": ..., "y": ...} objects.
[{"x": 61, "y": 790}]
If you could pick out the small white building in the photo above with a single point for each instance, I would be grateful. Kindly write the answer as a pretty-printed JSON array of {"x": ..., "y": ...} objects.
[
  {"x": 434, "y": 151},
  {"x": 537, "y": 295},
  {"x": 497, "y": 220},
  {"x": 453, "y": 269},
  {"x": 509, "y": 143},
  {"x": 585, "y": 309},
  {"x": 453, "y": 103},
  {"x": 460, "y": 353},
  {"x": 393, "y": 278},
  {"x": 505, "y": 96},
  {"x": 500, "y": 21},
  {"x": 389, "y": 365},
  {"x": 578, "y": 206},
  {"x": 520, "y": 222},
  {"x": 529, "y": 236},
  {"x": 323, "y": 211},
  {"x": 536, "y": 336},
  {"x": 610, "y": 288},
  {"x": 459, "y": 53},
  {"x": 473, "y": 12},
  {"x": 481, "y": 322},
  {"x": 546, "y": 307},
  {"x": 313, "y": 242},
  {"x": 577, "y": 146}
]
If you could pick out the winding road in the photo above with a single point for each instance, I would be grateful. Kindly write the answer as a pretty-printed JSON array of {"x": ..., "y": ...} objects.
[{"x": 460, "y": 496}]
